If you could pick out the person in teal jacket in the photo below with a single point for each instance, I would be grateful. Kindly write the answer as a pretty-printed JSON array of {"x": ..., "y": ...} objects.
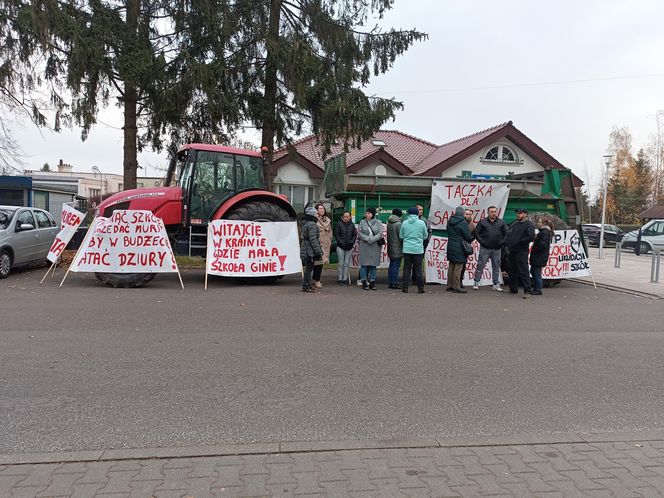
[{"x": 413, "y": 232}]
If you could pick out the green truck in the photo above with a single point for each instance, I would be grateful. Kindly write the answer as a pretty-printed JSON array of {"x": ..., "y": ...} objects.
[{"x": 549, "y": 191}]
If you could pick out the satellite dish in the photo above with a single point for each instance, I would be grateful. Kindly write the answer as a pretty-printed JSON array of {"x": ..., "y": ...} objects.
[{"x": 380, "y": 170}]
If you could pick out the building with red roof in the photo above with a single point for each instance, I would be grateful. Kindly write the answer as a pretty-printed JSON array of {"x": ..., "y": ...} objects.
[{"x": 494, "y": 152}]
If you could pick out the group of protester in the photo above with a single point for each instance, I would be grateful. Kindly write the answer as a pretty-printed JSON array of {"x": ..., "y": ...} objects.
[{"x": 408, "y": 238}]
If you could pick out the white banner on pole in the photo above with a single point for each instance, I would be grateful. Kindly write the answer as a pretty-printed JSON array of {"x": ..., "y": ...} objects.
[
  {"x": 567, "y": 257},
  {"x": 71, "y": 219},
  {"x": 384, "y": 258},
  {"x": 476, "y": 196},
  {"x": 127, "y": 242},
  {"x": 252, "y": 249},
  {"x": 436, "y": 264}
]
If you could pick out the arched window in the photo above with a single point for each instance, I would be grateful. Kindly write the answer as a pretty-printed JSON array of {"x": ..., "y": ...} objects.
[
  {"x": 500, "y": 154},
  {"x": 492, "y": 155}
]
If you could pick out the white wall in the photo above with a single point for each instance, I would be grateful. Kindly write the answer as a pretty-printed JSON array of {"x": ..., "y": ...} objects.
[
  {"x": 293, "y": 174},
  {"x": 474, "y": 164},
  {"x": 371, "y": 169}
]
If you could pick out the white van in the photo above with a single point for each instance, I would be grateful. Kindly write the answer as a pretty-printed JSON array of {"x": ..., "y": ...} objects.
[{"x": 652, "y": 237}]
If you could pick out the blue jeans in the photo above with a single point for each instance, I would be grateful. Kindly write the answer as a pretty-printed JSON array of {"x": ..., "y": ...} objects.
[
  {"x": 536, "y": 273},
  {"x": 393, "y": 271},
  {"x": 485, "y": 255},
  {"x": 370, "y": 270}
]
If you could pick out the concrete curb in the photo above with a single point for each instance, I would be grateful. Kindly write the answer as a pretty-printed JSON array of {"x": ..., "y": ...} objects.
[
  {"x": 615, "y": 288},
  {"x": 324, "y": 446}
]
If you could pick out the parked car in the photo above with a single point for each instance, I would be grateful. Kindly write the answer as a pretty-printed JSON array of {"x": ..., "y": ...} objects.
[
  {"x": 26, "y": 235},
  {"x": 612, "y": 234},
  {"x": 652, "y": 237}
]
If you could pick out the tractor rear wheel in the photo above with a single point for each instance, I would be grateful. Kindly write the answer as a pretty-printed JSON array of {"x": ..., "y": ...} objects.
[
  {"x": 259, "y": 211},
  {"x": 125, "y": 280}
]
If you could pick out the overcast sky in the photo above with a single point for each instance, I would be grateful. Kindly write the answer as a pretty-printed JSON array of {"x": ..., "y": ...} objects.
[{"x": 564, "y": 72}]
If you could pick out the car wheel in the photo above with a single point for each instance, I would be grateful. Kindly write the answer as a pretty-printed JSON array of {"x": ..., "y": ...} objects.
[
  {"x": 644, "y": 248},
  {"x": 5, "y": 263}
]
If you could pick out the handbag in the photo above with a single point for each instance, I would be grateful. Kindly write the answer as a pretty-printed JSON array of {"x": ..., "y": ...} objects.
[
  {"x": 467, "y": 247},
  {"x": 381, "y": 241}
]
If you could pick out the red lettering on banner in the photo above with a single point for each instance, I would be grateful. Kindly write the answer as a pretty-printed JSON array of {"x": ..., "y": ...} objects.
[
  {"x": 57, "y": 247},
  {"x": 71, "y": 219}
]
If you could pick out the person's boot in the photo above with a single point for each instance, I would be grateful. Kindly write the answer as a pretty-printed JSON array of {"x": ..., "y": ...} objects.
[
  {"x": 405, "y": 290},
  {"x": 365, "y": 285},
  {"x": 372, "y": 286},
  {"x": 421, "y": 290}
]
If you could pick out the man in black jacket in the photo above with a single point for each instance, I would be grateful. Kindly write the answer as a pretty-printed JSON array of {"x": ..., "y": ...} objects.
[
  {"x": 519, "y": 236},
  {"x": 490, "y": 233}
]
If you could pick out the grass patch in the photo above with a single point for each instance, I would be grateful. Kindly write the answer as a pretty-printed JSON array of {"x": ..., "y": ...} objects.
[{"x": 190, "y": 263}]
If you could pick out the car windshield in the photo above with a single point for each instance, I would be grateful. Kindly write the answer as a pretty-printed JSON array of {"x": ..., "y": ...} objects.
[{"x": 6, "y": 216}]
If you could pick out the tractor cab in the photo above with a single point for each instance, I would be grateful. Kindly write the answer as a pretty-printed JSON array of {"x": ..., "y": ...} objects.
[{"x": 211, "y": 174}]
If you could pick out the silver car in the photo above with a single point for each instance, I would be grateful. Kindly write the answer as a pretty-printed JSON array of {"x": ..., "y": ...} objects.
[
  {"x": 26, "y": 235},
  {"x": 652, "y": 237}
]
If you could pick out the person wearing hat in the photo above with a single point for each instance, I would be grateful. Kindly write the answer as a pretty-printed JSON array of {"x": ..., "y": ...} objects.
[
  {"x": 394, "y": 247},
  {"x": 413, "y": 232},
  {"x": 310, "y": 249},
  {"x": 369, "y": 232},
  {"x": 519, "y": 236},
  {"x": 457, "y": 231}
]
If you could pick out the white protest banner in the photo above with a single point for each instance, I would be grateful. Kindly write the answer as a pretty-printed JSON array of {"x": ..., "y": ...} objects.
[
  {"x": 384, "y": 258},
  {"x": 252, "y": 249},
  {"x": 71, "y": 219},
  {"x": 474, "y": 195},
  {"x": 567, "y": 257},
  {"x": 436, "y": 263},
  {"x": 127, "y": 242}
]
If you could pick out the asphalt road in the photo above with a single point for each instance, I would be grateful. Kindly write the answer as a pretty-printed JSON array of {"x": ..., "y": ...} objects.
[{"x": 90, "y": 367}]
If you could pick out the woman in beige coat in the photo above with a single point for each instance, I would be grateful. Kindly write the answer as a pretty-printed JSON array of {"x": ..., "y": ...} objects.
[{"x": 325, "y": 238}]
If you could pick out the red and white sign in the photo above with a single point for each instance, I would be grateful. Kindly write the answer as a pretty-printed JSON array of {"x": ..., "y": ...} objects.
[
  {"x": 567, "y": 257},
  {"x": 252, "y": 249},
  {"x": 384, "y": 258},
  {"x": 71, "y": 219},
  {"x": 127, "y": 242},
  {"x": 476, "y": 196},
  {"x": 436, "y": 263}
]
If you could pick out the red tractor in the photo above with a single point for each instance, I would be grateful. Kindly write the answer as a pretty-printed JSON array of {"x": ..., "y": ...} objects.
[{"x": 203, "y": 183}]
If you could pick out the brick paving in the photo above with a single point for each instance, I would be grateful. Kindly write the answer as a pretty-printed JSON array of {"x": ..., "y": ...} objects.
[{"x": 560, "y": 469}]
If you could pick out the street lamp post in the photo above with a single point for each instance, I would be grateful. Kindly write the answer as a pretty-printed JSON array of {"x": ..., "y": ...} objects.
[
  {"x": 95, "y": 170},
  {"x": 607, "y": 162}
]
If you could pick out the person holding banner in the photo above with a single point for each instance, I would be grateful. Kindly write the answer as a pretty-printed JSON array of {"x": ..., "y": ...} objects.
[
  {"x": 310, "y": 249},
  {"x": 413, "y": 232},
  {"x": 345, "y": 234},
  {"x": 519, "y": 236},
  {"x": 468, "y": 216},
  {"x": 325, "y": 238},
  {"x": 539, "y": 253},
  {"x": 490, "y": 233},
  {"x": 394, "y": 247},
  {"x": 370, "y": 232},
  {"x": 457, "y": 232}
]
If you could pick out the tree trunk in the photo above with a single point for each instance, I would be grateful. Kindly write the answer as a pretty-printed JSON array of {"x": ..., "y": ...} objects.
[
  {"x": 130, "y": 160},
  {"x": 270, "y": 97}
]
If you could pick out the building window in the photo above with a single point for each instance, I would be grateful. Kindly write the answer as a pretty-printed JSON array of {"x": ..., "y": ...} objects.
[
  {"x": 120, "y": 185},
  {"x": 501, "y": 154},
  {"x": 95, "y": 192},
  {"x": 298, "y": 195}
]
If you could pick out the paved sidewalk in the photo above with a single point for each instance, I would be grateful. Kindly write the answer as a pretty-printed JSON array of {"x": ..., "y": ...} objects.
[
  {"x": 632, "y": 467},
  {"x": 633, "y": 274}
]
